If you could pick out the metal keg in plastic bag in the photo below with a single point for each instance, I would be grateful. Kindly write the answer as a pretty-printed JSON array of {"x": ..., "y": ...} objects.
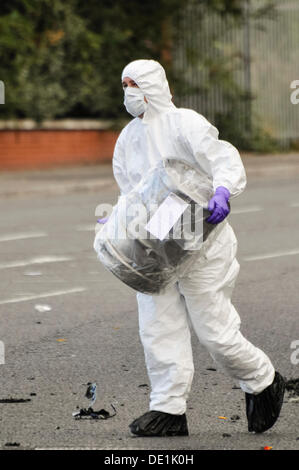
[{"x": 127, "y": 249}]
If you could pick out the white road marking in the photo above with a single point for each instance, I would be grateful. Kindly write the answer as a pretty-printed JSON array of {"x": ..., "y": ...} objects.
[
  {"x": 36, "y": 260},
  {"x": 22, "y": 236},
  {"x": 33, "y": 273},
  {"x": 41, "y": 296},
  {"x": 244, "y": 210},
  {"x": 271, "y": 255}
]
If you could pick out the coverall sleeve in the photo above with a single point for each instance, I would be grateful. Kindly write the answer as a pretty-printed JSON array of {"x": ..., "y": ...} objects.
[
  {"x": 119, "y": 166},
  {"x": 218, "y": 157}
]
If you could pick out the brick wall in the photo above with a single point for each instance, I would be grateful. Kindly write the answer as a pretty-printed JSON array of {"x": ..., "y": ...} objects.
[{"x": 22, "y": 149}]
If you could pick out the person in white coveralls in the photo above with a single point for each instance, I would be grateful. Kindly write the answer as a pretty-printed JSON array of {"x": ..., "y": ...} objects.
[{"x": 201, "y": 296}]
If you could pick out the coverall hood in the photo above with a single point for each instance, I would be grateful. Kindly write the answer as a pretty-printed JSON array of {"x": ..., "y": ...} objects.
[{"x": 150, "y": 77}]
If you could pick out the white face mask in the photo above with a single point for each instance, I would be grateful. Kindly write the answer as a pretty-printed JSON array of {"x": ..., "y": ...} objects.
[{"x": 134, "y": 101}]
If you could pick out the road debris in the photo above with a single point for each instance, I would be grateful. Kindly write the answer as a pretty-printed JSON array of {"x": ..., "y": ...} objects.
[
  {"x": 42, "y": 308},
  {"x": 235, "y": 417},
  {"x": 91, "y": 394},
  {"x": 90, "y": 413},
  {"x": 292, "y": 387},
  {"x": 14, "y": 400},
  {"x": 222, "y": 417},
  {"x": 12, "y": 444}
]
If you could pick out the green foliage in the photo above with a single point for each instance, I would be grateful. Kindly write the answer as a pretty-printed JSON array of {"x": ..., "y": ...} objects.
[
  {"x": 48, "y": 60},
  {"x": 129, "y": 30},
  {"x": 64, "y": 58}
]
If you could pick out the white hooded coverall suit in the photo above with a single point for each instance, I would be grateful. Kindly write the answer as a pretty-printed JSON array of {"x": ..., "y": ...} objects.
[{"x": 201, "y": 296}]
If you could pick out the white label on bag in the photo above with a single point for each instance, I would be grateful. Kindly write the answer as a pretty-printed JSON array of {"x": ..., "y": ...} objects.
[{"x": 166, "y": 216}]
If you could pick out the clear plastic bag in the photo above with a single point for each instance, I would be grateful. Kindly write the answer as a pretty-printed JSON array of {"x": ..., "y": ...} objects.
[{"x": 135, "y": 256}]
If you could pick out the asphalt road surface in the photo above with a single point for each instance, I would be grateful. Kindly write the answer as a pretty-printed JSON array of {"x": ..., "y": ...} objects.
[{"x": 90, "y": 332}]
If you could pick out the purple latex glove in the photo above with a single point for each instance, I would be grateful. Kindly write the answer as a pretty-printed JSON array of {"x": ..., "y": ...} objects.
[
  {"x": 219, "y": 206},
  {"x": 103, "y": 220}
]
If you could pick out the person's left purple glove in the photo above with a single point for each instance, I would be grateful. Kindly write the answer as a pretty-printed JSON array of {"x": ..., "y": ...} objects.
[
  {"x": 219, "y": 206},
  {"x": 103, "y": 220}
]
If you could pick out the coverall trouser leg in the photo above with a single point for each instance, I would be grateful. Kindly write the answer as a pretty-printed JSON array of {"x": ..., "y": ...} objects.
[
  {"x": 202, "y": 296},
  {"x": 166, "y": 339}
]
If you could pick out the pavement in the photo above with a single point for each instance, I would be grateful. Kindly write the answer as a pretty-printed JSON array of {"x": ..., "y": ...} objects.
[
  {"x": 88, "y": 331},
  {"x": 67, "y": 179}
]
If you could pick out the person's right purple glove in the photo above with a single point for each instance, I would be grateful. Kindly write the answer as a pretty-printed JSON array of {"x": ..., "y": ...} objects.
[
  {"x": 103, "y": 220},
  {"x": 219, "y": 206}
]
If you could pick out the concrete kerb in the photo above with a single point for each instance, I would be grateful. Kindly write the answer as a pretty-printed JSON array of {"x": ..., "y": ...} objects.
[{"x": 56, "y": 181}]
